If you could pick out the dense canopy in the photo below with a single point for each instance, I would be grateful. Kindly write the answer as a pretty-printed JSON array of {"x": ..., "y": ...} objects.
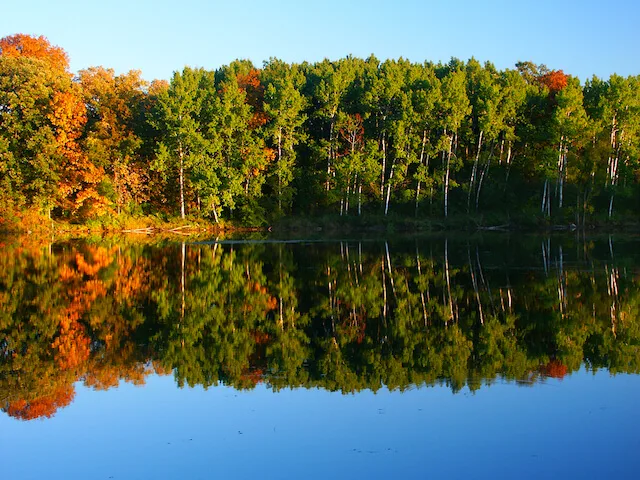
[{"x": 350, "y": 137}]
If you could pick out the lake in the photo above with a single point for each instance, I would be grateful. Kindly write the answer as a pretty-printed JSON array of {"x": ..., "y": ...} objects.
[{"x": 493, "y": 355}]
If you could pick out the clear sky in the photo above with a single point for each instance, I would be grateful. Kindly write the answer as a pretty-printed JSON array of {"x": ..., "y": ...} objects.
[{"x": 582, "y": 37}]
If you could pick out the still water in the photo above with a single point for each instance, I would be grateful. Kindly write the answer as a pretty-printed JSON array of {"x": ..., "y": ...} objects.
[{"x": 495, "y": 356}]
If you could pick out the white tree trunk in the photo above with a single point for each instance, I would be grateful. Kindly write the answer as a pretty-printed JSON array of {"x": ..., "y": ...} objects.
[
  {"x": 474, "y": 170},
  {"x": 446, "y": 179}
]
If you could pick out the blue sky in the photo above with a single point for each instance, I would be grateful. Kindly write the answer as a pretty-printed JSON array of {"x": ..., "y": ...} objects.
[{"x": 158, "y": 36}]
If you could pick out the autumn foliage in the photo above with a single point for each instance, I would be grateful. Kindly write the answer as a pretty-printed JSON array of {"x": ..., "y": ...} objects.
[
  {"x": 250, "y": 84},
  {"x": 21, "y": 45},
  {"x": 555, "y": 81},
  {"x": 45, "y": 406},
  {"x": 555, "y": 369}
]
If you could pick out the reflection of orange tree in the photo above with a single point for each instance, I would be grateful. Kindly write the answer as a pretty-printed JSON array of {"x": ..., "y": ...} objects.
[
  {"x": 554, "y": 369},
  {"x": 43, "y": 406},
  {"x": 83, "y": 287},
  {"x": 113, "y": 322},
  {"x": 82, "y": 328}
]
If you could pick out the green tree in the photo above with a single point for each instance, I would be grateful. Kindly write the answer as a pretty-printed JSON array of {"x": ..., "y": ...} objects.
[
  {"x": 283, "y": 104},
  {"x": 184, "y": 144}
]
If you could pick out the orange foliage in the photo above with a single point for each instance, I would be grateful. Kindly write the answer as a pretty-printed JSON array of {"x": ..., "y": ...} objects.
[
  {"x": 131, "y": 279},
  {"x": 21, "y": 45},
  {"x": 157, "y": 87},
  {"x": 352, "y": 132},
  {"x": 554, "y": 369},
  {"x": 103, "y": 377},
  {"x": 45, "y": 406},
  {"x": 555, "y": 81},
  {"x": 250, "y": 84},
  {"x": 272, "y": 302},
  {"x": 261, "y": 338},
  {"x": 269, "y": 156},
  {"x": 72, "y": 345},
  {"x": 79, "y": 324},
  {"x": 100, "y": 258},
  {"x": 80, "y": 179},
  {"x": 252, "y": 376}
]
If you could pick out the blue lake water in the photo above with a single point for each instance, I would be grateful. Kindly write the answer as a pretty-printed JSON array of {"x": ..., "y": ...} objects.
[
  {"x": 413, "y": 358},
  {"x": 584, "y": 426}
]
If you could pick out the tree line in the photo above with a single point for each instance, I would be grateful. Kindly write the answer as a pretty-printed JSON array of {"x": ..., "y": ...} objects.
[
  {"x": 343, "y": 316},
  {"x": 348, "y": 137}
]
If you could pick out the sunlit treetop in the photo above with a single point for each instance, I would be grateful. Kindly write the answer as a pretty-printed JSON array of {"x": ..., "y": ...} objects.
[
  {"x": 555, "y": 80},
  {"x": 21, "y": 45}
]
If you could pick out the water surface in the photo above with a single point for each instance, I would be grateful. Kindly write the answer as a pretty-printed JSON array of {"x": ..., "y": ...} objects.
[{"x": 493, "y": 356}]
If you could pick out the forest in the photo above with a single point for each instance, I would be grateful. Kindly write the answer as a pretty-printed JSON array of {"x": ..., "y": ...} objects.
[
  {"x": 244, "y": 145},
  {"x": 341, "y": 316}
]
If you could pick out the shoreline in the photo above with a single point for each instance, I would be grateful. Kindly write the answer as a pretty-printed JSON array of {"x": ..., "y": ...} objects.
[{"x": 325, "y": 225}]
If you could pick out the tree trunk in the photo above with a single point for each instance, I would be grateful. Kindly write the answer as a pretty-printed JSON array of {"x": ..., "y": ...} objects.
[
  {"x": 384, "y": 164},
  {"x": 386, "y": 203},
  {"x": 482, "y": 175},
  {"x": 474, "y": 170},
  {"x": 215, "y": 213},
  {"x": 508, "y": 162},
  {"x": 424, "y": 144},
  {"x": 330, "y": 155},
  {"x": 446, "y": 179},
  {"x": 116, "y": 181},
  {"x": 279, "y": 167},
  {"x": 181, "y": 156},
  {"x": 560, "y": 171}
]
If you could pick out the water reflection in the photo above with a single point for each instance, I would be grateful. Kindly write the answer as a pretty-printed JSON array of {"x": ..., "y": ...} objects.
[{"x": 342, "y": 316}]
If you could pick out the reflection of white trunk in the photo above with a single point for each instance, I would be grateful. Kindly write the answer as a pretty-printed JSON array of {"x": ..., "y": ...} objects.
[
  {"x": 612, "y": 287},
  {"x": 182, "y": 286},
  {"x": 424, "y": 303},
  {"x": 448, "y": 279},
  {"x": 330, "y": 298},
  {"x": 393, "y": 286},
  {"x": 562, "y": 288},
  {"x": 476, "y": 290},
  {"x": 384, "y": 292}
]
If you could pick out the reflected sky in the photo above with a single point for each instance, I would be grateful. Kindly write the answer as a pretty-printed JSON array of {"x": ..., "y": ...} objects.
[{"x": 584, "y": 426}]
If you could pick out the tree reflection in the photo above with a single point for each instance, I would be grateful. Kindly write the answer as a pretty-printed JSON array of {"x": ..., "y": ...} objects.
[{"x": 340, "y": 316}]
